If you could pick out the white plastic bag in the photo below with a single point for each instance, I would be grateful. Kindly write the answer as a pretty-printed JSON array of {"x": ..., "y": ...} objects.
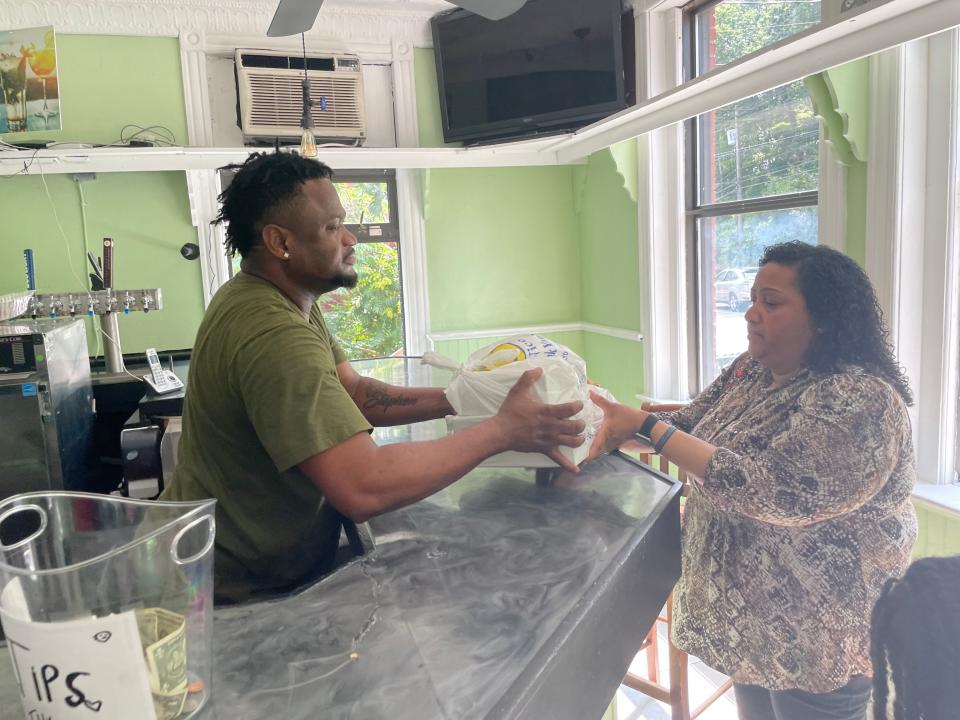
[{"x": 481, "y": 384}]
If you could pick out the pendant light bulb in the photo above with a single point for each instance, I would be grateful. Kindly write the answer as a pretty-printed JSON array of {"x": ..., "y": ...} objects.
[{"x": 308, "y": 144}]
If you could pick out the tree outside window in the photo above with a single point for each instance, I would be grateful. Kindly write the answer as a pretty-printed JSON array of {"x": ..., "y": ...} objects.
[
  {"x": 752, "y": 167},
  {"x": 367, "y": 321}
]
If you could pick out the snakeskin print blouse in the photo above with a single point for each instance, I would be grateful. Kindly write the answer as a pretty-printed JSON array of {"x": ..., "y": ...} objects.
[{"x": 803, "y": 513}]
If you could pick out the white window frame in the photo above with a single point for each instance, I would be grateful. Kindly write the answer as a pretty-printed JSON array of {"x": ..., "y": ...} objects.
[
  {"x": 701, "y": 330},
  {"x": 203, "y": 185},
  {"x": 668, "y": 286},
  {"x": 660, "y": 207},
  {"x": 906, "y": 156},
  {"x": 391, "y": 230},
  {"x": 913, "y": 236}
]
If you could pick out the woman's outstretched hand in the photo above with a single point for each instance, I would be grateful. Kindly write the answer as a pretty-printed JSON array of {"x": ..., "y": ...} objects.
[{"x": 620, "y": 422}]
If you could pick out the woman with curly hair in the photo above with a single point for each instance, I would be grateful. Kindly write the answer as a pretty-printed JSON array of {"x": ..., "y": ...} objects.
[
  {"x": 803, "y": 464},
  {"x": 915, "y": 641}
]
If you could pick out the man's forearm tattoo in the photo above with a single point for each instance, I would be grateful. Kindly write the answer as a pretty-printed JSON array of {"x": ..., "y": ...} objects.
[{"x": 381, "y": 398}]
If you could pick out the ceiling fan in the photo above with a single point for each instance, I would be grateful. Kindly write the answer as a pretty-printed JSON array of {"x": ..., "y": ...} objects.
[{"x": 297, "y": 16}]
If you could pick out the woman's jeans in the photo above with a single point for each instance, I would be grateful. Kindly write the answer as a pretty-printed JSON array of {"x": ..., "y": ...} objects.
[{"x": 846, "y": 703}]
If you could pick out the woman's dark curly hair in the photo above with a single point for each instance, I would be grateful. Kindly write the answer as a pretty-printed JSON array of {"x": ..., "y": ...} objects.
[
  {"x": 915, "y": 641},
  {"x": 262, "y": 182},
  {"x": 846, "y": 317}
]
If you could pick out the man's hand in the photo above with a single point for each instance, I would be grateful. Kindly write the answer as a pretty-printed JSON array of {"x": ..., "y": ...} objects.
[
  {"x": 620, "y": 422},
  {"x": 532, "y": 426}
]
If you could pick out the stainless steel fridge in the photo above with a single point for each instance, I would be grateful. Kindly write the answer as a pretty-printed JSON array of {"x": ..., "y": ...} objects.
[{"x": 46, "y": 407}]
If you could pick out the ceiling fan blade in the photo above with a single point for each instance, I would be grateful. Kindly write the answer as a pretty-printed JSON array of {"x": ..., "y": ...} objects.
[
  {"x": 491, "y": 9},
  {"x": 294, "y": 17}
]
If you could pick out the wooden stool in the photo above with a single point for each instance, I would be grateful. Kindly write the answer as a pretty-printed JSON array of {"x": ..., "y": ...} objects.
[{"x": 677, "y": 693}]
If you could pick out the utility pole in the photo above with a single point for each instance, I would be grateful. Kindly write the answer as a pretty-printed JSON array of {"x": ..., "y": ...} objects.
[{"x": 736, "y": 151}]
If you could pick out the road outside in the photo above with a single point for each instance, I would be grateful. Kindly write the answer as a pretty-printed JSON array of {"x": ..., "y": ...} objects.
[{"x": 731, "y": 335}]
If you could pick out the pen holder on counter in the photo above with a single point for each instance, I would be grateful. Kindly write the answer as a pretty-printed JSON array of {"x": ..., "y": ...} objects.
[{"x": 107, "y": 604}]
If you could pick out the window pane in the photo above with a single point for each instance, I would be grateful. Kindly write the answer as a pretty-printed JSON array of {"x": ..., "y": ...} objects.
[
  {"x": 367, "y": 200},
  {"x": 368, "y": 320},
  {"x": 734, "y": 28},
  {"x": 730, "y": 249},
  {"x": 762, "y": 146}
]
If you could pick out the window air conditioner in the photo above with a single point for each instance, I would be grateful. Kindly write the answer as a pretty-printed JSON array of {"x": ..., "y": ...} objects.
[{"x": 270, "y": 95}]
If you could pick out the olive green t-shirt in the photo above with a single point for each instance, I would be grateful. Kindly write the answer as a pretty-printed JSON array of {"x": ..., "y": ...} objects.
[{"x": 262, "y": 396}]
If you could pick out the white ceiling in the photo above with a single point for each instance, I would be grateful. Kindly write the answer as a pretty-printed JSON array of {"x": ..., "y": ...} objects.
[
  {"x": 430, "y": 6},
  {"x": 387, "y": 5}
]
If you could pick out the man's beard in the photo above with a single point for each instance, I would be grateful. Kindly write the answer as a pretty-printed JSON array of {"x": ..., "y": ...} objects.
[{"x": 345, "y": 280}]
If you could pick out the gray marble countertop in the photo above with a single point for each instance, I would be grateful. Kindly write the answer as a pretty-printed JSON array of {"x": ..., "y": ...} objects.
[{"x": 502, "y": 596}]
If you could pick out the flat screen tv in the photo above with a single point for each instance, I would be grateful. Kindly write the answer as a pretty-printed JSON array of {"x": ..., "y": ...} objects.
[{"x": 552, "y": 66}]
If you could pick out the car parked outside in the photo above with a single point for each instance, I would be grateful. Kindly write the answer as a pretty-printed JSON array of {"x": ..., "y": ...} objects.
[{"x": 733, "y": 287}]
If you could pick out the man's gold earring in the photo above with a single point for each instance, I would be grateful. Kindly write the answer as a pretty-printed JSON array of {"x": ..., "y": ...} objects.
[{"x": 286, "y": 256}]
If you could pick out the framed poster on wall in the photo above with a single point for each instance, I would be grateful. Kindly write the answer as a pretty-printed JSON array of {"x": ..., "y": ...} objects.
[{"x": 29, "y": 84}]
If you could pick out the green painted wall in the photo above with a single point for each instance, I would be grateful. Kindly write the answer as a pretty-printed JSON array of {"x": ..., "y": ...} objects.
[
  {"x": 607, "y": 226},
  {"x": 856, "y": 246},
  {"x": 502, "y": 243},
  {"x": 501, "y": 248},
  {"x": 849, "y": 86},
  {"x": 616, "y": 365},
  {"x": 429, "y": 121},
  {"x": 460, "y": 349},
  {"x": 841, "y": 99},
  {"x": 605, "y": 195},
  {"x": 108, "y": 82},
  {"x": 939, "y": 533},
  {"x": 148, "y": 216}
]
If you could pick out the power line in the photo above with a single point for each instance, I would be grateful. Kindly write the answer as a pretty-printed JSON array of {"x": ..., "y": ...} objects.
[
  {"x": 753, "y": 179},
  {"x": 767, "y": 142},
  {"x": 768, "y": 171},
  {"x": 759, "y": 181}
]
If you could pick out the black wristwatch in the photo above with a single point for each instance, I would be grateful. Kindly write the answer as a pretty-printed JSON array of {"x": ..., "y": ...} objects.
[{"x": 643, "y": 434}]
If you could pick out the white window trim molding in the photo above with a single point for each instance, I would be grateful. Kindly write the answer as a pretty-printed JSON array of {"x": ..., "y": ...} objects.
[
  {"x": 614, "y": 332},
  {"x": 501, "y": 332},
  {"x": 203, "y": 186},
  {"x": 660, "y": 212},
  {"x": 165, "y": 159},
  {"x": 413, "y": 260},
  {"x": 938, "y": 380},
  {"x": 884, "y": 180},
  {"x": 413, "y": 247},
  {"x": 912, "y": 253},
  {"x": 941, "y": 498},
  {"x": 831, "y": 197}
]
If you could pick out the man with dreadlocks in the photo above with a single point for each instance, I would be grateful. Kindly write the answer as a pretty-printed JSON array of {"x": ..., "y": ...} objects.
[
  {"x": 276, "y": 422},
  {"x": 915, "y": 640}
]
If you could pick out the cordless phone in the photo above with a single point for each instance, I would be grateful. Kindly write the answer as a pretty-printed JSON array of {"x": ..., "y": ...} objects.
[{"x": 161, "y": 381}]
